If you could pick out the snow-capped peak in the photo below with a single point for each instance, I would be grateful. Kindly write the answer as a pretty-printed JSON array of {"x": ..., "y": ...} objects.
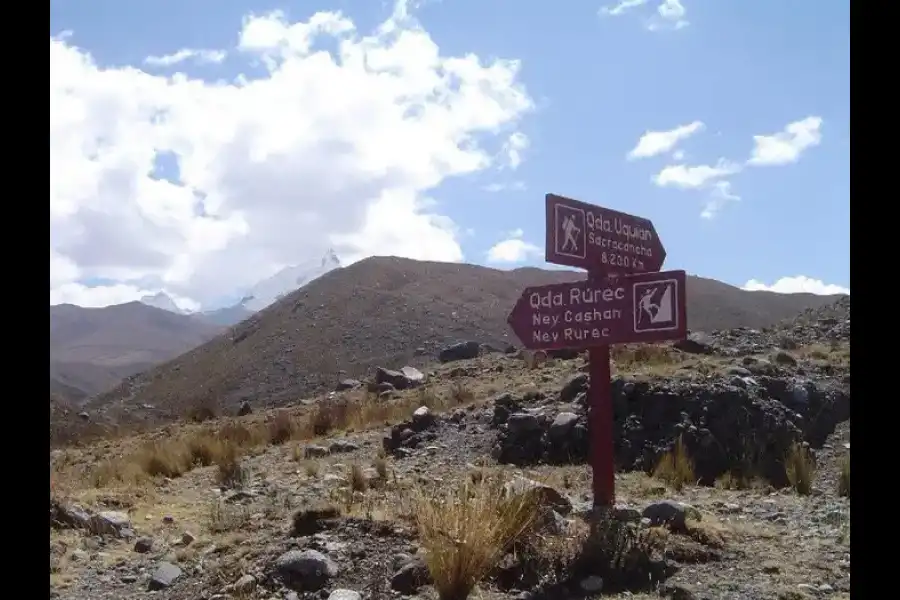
[
  {"x": 162, "y": 300},
  {"x": 287, "y": 280}
]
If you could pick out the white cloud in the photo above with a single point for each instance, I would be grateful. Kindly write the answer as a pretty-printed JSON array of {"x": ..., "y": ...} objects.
[
  {"x": 513, "y": 249},
  {"x": 198, "y": 56},
  {"x": 798, "y": 284},
  {"x": 325, "y": 149},
  {"x": 786, "y": 146},
  {"x": 653, "y": 143},
  {"x": 514, "y": 147},
  {"x": 614, "y": 10},
  {"x": 685, "y": 177},
  {"x": 720, "y": 195},
  {"x": 671, "y": 14},
  {"x": 104, "y": 295},
  {"x": 702, "y": 177}
]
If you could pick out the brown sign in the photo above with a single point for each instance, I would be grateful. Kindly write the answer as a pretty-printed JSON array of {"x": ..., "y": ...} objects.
[
  {"x": 598, "y": 239},
  {"x": 648, "y": 307}
]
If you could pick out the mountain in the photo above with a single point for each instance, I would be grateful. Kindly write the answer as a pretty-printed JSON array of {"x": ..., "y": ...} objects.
[
  {"x": 270, "y": 290},
  {"x": 91, "y": 349},
  {"x": 287, "y": 280},
  {"x": 380, "y": 311},
  {"x": 163, "y": 301}
]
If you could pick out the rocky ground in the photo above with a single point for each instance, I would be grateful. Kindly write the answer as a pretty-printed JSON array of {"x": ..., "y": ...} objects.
[{"x": 333, "y": 516}]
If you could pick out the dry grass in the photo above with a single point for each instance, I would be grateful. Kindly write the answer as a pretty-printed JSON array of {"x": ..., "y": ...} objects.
[
  {"x": 356, "y": 478},
  {"x": 217, "y": 442},
  {"x": 800, "y": 468},
  {"x": 844, "y": 477},
  {"x": 641, "y": 357},
  {"x": 381, "y": 467},
  {"x": 466, "y": 530},
  {"x": 734, "y": 480},
  {"x": 676, "y": 467},
  {"x": 311, "y": 468},
  {"x": 282, "y": 428},
  {"x": 460, "y": 394},
  {"x": 224, "y": 517},
  {"x": 837, "y": 354},
  {"x": 230, "y": 471}
]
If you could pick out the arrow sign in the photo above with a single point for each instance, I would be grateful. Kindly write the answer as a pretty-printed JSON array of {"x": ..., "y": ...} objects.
[
  {"x": 595, "y": 238},
  {"x": 647, "y": 307}
]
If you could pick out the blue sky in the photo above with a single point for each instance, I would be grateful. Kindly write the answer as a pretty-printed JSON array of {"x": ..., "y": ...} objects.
[{"x": 596, "y": 80}]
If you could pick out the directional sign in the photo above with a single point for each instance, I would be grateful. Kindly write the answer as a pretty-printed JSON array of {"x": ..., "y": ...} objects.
[
  {"x": 598, "y": 239},
  {"x": 647, "y": 307}
]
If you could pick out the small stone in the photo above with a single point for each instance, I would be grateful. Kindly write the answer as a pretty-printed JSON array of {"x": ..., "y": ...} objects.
[
  {"x": 671, "y": 513},
  {"x": 592, "y": 584},
  {"x": 677, "y": 591},
  {"x": 410, "y": 577},
  {"x": 164, "y": 576},
  {"x": 245, "y": 584},
  {"x": 143, "y": 545},
  {"x": 110, "y": 522},
  {"x": 187, "y": 537},
  {"x": 313, "y": 451},
  {"x": 305, "y": 570},
  {"x": 79, "y": 556},
  {"x": 339, "y": 446},
  {"x": 344, "y": 595}
]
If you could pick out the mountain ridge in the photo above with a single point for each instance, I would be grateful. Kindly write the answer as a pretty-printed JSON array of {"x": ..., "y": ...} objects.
[
  {"x": 382, "y": 311},
  {"x": 91, "y": 349}
]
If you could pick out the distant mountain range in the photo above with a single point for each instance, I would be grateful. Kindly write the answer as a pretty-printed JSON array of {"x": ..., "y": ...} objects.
[
  {"x": 258, "y": 297},
  {"x": 92, "y": 349}
]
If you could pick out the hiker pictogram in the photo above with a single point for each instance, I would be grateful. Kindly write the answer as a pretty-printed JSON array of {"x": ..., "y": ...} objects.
[{"x": 570, "y": 231}]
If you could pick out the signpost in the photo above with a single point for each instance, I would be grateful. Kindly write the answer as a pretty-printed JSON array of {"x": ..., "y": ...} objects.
[
  {"x": 624, "y": 300},
  {"x": 600, "y": 240},
  {"x": 649, "y": 307}
]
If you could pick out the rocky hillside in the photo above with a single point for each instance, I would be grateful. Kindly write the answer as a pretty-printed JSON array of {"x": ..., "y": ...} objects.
[
  {"x": 92, "y": 349},
  {"x": 380, "y": 311},
  {"x": 733, "y": 482}
]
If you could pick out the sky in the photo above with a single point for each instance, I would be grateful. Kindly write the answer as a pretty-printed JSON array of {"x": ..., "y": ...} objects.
[{"x": 199, "y": 147}]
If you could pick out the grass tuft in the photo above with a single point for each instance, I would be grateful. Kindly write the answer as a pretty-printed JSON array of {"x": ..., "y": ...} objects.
[
  {"x": 800, "y": 468},
  {"x": 282, "y": 428},
  {"x": 466, "y": 530},
  {"x": 844, "y": 477},
  {"x": 357, "y": 478},
  {"x": 676, "y": 467},
  {"x": 230, "y": 471}
]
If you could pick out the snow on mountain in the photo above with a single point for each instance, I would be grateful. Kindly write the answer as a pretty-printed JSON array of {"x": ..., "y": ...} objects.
[
  {"x": 287, "y": 280},
  {"x": 260, "y": 295},
  {"x": 163, "y": 301}
]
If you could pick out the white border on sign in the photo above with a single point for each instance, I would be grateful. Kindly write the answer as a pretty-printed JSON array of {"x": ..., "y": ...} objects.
[
  {"x": 556, "y": 222},
  {"x": 675, "y": 308}
]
